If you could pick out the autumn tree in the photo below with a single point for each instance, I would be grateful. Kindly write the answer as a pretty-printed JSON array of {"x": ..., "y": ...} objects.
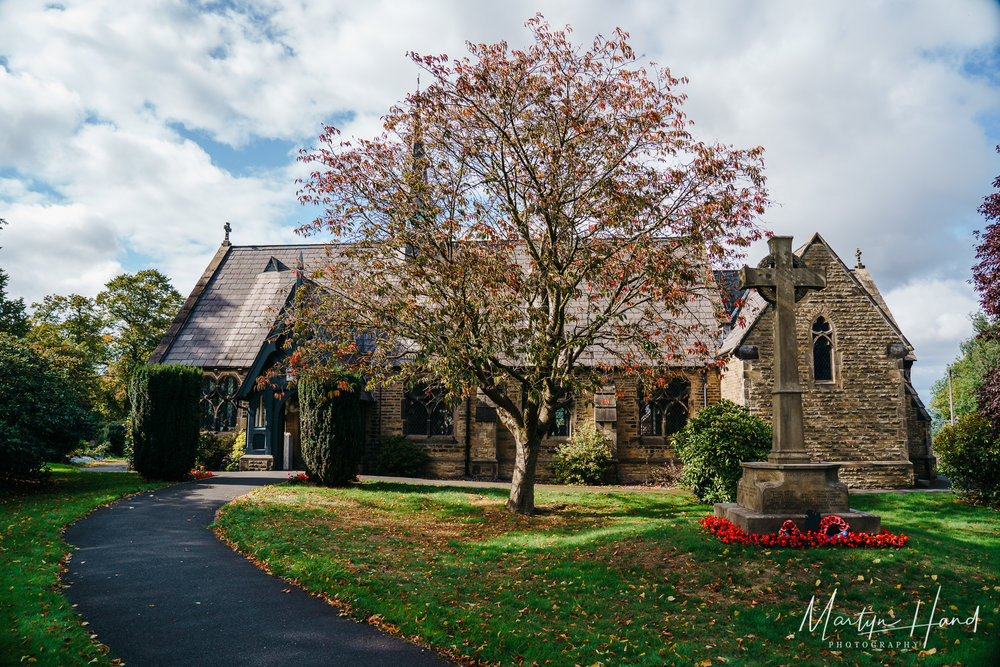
[
  {"x": 528, "y": 215},
  {"x": 986, "y": 278}
]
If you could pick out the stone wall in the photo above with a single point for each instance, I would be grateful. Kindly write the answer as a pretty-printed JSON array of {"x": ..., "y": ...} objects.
[
  {"x": 858, "y": 419},
  {"x": 491, "y": 446}
]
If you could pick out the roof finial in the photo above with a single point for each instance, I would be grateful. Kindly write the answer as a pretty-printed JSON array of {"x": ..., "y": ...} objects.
[
  {"x": 228, "y": 229},
  {"x": 857, "y": 253}
]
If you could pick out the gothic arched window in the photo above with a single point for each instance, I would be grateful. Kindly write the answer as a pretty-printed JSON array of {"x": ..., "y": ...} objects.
[
  {"x": 822, "y": 348},
  {"x": 218, "y": 404},
  {"x": 425, "y": 413},
  {"x": 666, "y": 411}
]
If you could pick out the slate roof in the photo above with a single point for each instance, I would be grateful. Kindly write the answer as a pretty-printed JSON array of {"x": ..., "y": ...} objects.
[
  {"x": 227, "y": 318},
  {"x": 755, "y": 305},
  {"x": 229, "y": 314}
]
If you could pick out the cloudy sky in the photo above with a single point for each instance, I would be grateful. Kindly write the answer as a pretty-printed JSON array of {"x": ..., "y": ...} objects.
[{"x": 130, "y": 132}]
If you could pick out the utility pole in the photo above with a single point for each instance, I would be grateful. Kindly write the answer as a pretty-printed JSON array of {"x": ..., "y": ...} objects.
[{"x": 951, "y": 398}]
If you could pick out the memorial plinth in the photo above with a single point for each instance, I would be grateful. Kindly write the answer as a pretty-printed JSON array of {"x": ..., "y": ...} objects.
[
  {"x": 788, "y": 484},
  {"x": 771, "y": 493}
]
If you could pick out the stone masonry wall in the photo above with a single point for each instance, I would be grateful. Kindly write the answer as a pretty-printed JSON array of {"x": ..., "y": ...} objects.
[
  {"x": 491, "y": 445},
  {"x": 733, "y": 385},
  {"x": 859, "y": 418}
]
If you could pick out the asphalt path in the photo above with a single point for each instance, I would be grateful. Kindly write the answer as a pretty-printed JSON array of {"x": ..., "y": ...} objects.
[{"x": 158, "y": 587}]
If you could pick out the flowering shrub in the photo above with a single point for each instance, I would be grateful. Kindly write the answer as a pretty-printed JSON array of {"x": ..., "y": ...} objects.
[
  {"x": 232, "y": 460},
  {"x": 300, "y": 478},
  {"x": 790, "y": 536},
  {"x": 200, "y": 473}
]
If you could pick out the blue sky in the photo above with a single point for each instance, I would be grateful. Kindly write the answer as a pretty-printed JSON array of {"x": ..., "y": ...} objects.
[{"x": 133, "y": 131}]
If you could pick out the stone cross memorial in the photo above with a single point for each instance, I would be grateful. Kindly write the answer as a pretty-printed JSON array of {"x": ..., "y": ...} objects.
[{"x": 788, "y": 484}]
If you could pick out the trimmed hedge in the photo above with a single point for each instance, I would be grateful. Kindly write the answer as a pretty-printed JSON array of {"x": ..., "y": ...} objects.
[
  {"x": 165, "y": 420},
  {"x": 714, "y": 443},
  {"x": 332, "y": 430}
]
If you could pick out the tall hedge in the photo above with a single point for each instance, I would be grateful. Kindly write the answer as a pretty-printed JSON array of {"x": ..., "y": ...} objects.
[
  {"x": 165, "y": 420},
  {"x": 332, "y": 430}
]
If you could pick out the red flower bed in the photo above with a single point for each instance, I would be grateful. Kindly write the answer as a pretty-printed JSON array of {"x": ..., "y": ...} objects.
[
  {"x": 200, "y": 472},
  {"x": 300, "y": 478},
  {"x": 789, "y": 536}
]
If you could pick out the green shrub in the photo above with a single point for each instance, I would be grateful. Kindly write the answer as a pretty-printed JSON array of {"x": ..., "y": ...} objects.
[
  {"x": 214, "y": 449},
  {"x": 401, "y": 457},
  {"x": 714, "y": 443},
  {"x": 112, "y": 437},
  {"x": 585, "y": 459},
  {"x": 969, "y": 456},
  {"x": 43, "y": 416},
  {"x": 332, "y": 430},
  {"x": 239, "y": 448},
  {"x": 165, "y": 420}
]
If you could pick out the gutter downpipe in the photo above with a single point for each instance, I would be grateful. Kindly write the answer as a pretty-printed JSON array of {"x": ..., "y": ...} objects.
[{"x": 468, "y": 435}]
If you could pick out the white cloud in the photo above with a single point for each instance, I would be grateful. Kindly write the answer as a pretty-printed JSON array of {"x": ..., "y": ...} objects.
[
  {"x": 934, "y": 314},
  {"x": 874, "y": 132},
  {"x": 57, "y": 249}
]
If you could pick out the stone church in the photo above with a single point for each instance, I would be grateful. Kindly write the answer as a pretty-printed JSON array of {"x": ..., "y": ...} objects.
[{"x": 860, "y": 407}]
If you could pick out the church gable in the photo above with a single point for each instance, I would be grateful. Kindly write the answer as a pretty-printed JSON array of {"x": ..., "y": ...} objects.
[
  {"x": 228, "y": 317},
  {"x": 851, "y": 369}
]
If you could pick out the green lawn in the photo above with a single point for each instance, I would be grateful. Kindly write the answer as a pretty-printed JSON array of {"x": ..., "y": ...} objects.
[
  {"x": 621, "y": 578},
  {"x": 37, "y": 624}
]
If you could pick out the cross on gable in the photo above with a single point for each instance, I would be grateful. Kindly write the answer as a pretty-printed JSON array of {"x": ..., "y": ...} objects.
[{"x": 781, "y": 274}]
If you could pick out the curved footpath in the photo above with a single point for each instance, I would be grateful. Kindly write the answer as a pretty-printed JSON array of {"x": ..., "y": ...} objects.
[{"x": 159, "y": 588}]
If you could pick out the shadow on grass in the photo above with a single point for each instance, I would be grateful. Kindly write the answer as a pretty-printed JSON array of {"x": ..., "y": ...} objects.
[{"x": 427, "y": 489}]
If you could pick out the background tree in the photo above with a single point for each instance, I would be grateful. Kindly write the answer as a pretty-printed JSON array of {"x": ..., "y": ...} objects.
[
  {"x": 986, "y": 278},
  {"x": 75, "y": 321},
  {"x": 528, "y": 213},
  {"x": 44, "y": 414},
  {"x": 13, "y": 319},
  {"x": 138, "y": 309},
  {"x": 980, "y": 354}
]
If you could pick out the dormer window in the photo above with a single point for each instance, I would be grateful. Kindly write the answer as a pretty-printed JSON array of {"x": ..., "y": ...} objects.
[{"x": 822, "y": 349}]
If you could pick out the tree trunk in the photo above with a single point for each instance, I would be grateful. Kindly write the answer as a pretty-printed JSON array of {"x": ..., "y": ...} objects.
[{"x": 522, "y": 484}]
